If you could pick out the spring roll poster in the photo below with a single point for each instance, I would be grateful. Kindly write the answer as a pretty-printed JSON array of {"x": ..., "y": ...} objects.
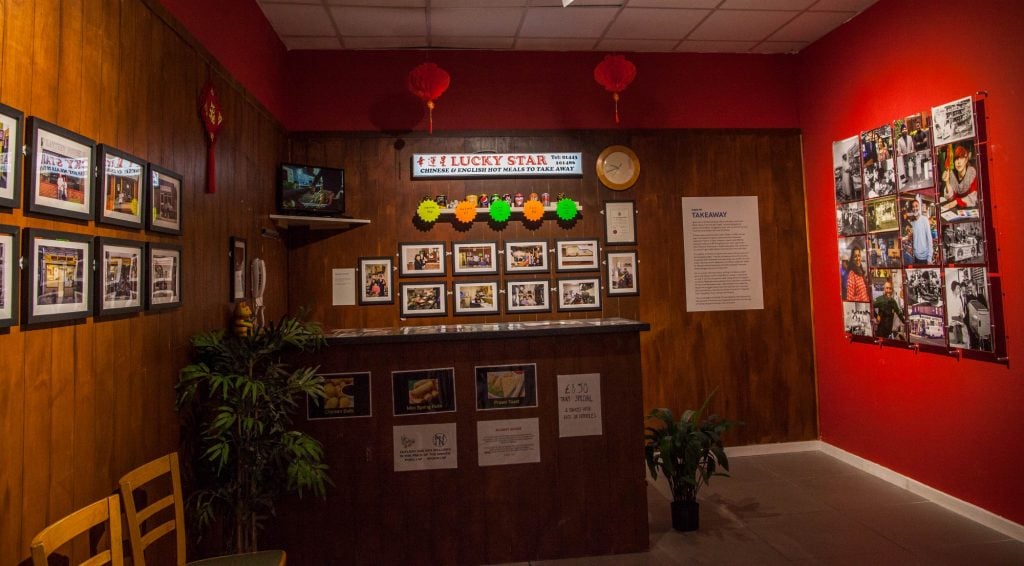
[
  {"x": 423, "y": 391},
  {"x": 506, "y": 387}
]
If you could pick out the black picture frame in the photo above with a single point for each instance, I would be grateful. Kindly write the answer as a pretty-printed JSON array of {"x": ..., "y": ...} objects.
[
  {"x": 60, "y": 176},
  {"x": 477, "y": 304},
  {"x": 579, "y": 254},
  {"x": 239, "y": 260},
  {"x": 121, "y": 188},
  {"x": 588, "y": 290},
  {"x": 10, "y": 274},
  {"x": 466, "y": 258},
  {"x": 413, "y": 295},
  {"x": 623, "y": 274},
  {"x": 435, "y": 264},
  {"x": 527, "y": 296},
  {"x": 527, "y": 256},
  {"x": 164, "y": 200},
  {"x": 120, "y": 276},
  {"x": 620, "y": 223},
  {"x": 163, "y": 276},
  {"x": 376, "y": 281},
  {"x": 60, "y": 278},
  {"x": 12, "y": 134}
]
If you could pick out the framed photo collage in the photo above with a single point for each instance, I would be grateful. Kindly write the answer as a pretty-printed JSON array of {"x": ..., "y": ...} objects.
[
  {"x": 72, "y": 275},
  {"x": 914, "y": 243},
  {"x": 524, "y": 263}
]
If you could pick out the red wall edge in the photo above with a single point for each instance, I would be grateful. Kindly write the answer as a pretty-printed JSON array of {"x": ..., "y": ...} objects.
[{"x": 954, "y": 426}]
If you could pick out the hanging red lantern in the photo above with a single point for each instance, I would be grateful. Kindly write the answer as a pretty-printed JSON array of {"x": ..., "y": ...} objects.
[
  {"x": 428, "y": 82},
  {"x": 212, "y": 120},
  {"x": 615, "y": 73}
]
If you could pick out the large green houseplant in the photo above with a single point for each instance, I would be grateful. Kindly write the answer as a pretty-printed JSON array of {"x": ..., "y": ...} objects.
[
  {"x": 687, "y": 452},
  {"x": 237, "y": 400}
]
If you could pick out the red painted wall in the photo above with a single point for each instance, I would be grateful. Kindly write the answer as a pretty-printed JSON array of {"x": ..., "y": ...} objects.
[
  {"x": 498, "y": 90},
  {"x": 239, "y": 36},
  {"x": 955, "y": 426}
]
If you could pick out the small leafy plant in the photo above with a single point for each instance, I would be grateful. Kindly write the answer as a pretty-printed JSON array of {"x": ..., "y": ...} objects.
[{"x": 237, "y": 400}]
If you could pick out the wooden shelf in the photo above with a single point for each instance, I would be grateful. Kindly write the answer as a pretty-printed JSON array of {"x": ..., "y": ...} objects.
[
  {"x": 515, "y": 209},
  {"x": 316, "y": 223}
]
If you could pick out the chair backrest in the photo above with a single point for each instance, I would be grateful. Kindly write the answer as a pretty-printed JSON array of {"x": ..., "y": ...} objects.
[
  {"x": 136, "y": 517},
  {"x": 56, "y": 535}
]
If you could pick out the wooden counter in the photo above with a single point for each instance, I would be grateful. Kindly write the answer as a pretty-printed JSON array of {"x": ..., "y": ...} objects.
[{"x": 586, "y": 496}]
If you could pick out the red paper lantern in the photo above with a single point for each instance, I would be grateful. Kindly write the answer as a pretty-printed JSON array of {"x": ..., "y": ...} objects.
[
  {"x": 615, "y": 73},
  {"x": 212, "y": 120},
  {"x": 428, "y": 82}
]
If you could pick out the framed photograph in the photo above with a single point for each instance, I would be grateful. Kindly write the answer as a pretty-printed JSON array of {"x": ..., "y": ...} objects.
[
  {"x": 579, "y": 294},
  {"x": 377, "y": 284},
  {"x": 506, "y": 387},
  {"x": 623, "y": 278},
  {"x": 527, "y": 296},
  {"x": 926, "y": 311},
  {"x": 120, "y": 276},
  {"x": 421, "y": 391},
  {"x": 576, "y": 255},
  {"x": 60, "y": 275},
  {"x": 846, "y": 170},
  {"x": 120, "y": 188},
  {"x": 60, "y": 173},
  {"x": 346, "y": 395},
  {"x": 969, "y": 324},
  {"x": 423, "y": 299},
  {"x": 422, "y": 259},
  {"x": 882, "y": 215},
  {"x": 953, "y": 121},
  {"x": 620, "y": 223},
  {"x": 10, "y": 275},
  {"x": 164, "y": 201},
  {"x": 11, "y": 133},
  {"x": 475, "y": 258},
  {"x": 238, "y": 262},
  {"x": 530, "y": 256},
  {"x": 476, "y": 297},
  {"x": 164, "y": 277},
  {"x": 919, "y": 228}
]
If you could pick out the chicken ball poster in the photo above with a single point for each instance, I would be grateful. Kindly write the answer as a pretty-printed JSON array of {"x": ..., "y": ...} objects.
[
  {"x": 423, "y": 391},
  {"x": 912, "y": 235}
]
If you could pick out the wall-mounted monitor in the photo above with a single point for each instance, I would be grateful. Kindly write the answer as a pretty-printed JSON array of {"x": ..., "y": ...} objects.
[{"x": 307, "y": 190}]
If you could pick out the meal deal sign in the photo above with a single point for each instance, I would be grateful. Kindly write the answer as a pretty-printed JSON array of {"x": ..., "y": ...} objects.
[{"x": 448, "y": 165}]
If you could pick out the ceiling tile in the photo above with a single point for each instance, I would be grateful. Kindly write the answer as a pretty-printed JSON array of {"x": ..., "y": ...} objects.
[
  {"x": 740, "y": 25},
  {"x": 673, "y": 3},
  {"x": 475, "y": 21},
  {"x": 628, "y": 45},
  {"x": 691, "y": 46},
  {"x": 655, "y": 23},
  {"x": 378, "y": 22},
  {"x": 843, "y": 5},
  {"x": 476, "y": 4},
  {"x": 292, "y": 43},
  {"x": 811, "y": 26},
  {"x": 577, "y": 4},
  {"x": 492, "y": 42},
  {"x": 288, "y": 19},
  {"x": 765, "y": 4},
  {"x": 386, "y": 42},
  {"x": 547, "y": 44},
  {"x": 561, "y": 22},
  {"x": 380, "y": 3},
  {"x": 780, "y": 46}
]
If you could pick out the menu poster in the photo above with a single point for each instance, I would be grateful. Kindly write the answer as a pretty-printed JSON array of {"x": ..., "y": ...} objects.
[
  {"x": 579, "y": 405},
  {"x": 423, "y": 391},
  {"x": 514, "y": 441},
  {"x": 345, "y": 395},
  {"x": 506, "y": 387},
  {"x": 425, "y": 447}
]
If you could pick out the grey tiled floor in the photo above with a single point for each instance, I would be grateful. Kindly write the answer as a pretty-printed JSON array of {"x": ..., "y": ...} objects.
[{"x": 809, "y": 508}]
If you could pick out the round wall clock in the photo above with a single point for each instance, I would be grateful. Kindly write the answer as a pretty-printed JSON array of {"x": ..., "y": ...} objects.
[{"x": 618, "y": 167}]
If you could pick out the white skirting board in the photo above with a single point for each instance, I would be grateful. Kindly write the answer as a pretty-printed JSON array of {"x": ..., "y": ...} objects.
[{"x": 969, "y": 510}]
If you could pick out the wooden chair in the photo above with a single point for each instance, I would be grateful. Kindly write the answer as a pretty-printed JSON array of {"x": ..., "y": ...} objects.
[
  {"x": 136, "y": 518},
  {"x": 105, "y": 511}
]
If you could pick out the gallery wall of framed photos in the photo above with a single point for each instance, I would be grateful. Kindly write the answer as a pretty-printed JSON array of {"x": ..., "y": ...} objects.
[{"x": 916, "y": 249}]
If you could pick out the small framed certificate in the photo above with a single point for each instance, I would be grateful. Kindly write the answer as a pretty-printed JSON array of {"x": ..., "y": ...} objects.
[{"x": 620, "y": 223}]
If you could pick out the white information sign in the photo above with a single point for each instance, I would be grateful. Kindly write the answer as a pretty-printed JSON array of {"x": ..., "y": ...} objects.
[
  {"x": 512, "y": 441},
  {"x": 448, "y": 165},
  {"x": 579, "y": 405},
  {"x": 343, "y": 286},
  {"x": 722, "y": 252},
  {"x": 425, "y": 447}
]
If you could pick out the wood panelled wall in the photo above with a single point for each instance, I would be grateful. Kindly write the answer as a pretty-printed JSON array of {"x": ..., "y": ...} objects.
[
  {"x": 760, "y": 361},
  {"x": 83, "y": 402}
]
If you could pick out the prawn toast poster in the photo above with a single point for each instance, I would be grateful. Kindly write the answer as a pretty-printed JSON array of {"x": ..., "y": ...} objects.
[
  {"x": 423, "y": 391},
  {"x": 506, "y": 387}
]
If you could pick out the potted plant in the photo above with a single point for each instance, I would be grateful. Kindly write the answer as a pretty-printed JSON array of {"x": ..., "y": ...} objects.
[
  {"x": 687, "y": 452},
  {"x": 237, "y": 400}
]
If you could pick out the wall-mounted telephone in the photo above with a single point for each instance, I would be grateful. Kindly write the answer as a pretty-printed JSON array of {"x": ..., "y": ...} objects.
[{"x": 259, "y": 284}]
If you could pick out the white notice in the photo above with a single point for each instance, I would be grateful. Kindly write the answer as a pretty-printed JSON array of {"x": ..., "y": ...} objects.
[
  {"x": 579, "y": 405},
  {"x": 513, "y": 441},
  {"x": 425, "y": 447},
  {"x": 722, "y": 253},
  {"x": 343, "y": 286}
]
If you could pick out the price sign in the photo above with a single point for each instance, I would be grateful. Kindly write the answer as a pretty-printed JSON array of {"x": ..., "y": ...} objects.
[{"x": 579, "y": 405}]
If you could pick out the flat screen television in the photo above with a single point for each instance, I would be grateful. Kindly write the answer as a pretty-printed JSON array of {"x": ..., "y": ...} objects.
[{"x": 305, "y": 190}]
